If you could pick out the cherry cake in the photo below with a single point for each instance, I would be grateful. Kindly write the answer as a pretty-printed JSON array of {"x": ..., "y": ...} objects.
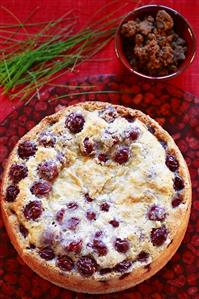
[{"x": 96, "y": 198}]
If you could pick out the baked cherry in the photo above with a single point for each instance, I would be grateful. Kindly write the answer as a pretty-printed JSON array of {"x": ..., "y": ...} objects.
[
  {"x": 156, "y": 213},
  {"x": 133, "y": 134},
  {"x": 88, "y": 198},
  {"x": 178, "y": 183},
  {"x": 88, "y": 146},
  {"x": 121, "y": 245},
  {"x": 60, "y": 215},
  {"x": 11, "y": 193},
  {"x": 65, "y": 263},
  {"x": 48, "y": 170},
  {"x": 109, "y": 114},
  {"x": 18, "y": 172},
  {"x": 91, "y": 215},
  {"x": 72, "y": 205},
  {"x": 86, "y": 265},
  {"x": 159, "y": 235},
  {"x": 41, "y": 188},
  {"x": 47, "y": 139},
  {"x": 33, "y": 210},
  {"x": 72, "y": 223},
  {"x": 23, "y": 230},
  {"x": 172, "y": 162},
  {"x": 99, "y": 247},
  {"x": 177, "y": 200},
  {"x": 114, "y": 223},
  {"x": 121, "y": 155},
  {"x": 123, "y": 266},
  {"x": 98, "y": 234},
  {"x": 47, "y": 253},
  {"x": 143, "y": 256},
  {"x": 105, "y": 271},
  {"x": 27, "y": 149},
  {"x": 75, "y": 122},
  {"x": 74, "y": 246},
  {"x": 102, "y": 157},
  {"x": 104, "y": 207}
]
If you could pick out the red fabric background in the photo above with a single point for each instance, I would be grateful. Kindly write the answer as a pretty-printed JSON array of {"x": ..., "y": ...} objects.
[{"x": 50, "y": 9}]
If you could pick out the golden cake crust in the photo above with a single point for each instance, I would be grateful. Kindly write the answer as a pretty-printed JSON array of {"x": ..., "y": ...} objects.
[{"x": 72, "y": 280}]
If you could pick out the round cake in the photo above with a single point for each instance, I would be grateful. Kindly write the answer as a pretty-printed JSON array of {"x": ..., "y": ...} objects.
[{"x": 96, "y": 198}]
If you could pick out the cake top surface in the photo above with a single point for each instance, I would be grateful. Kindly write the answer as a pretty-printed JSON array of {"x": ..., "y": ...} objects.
[{"x": 95, "y": 190}]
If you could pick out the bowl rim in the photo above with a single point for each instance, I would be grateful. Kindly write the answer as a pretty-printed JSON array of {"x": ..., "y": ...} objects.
[{"x": 127, "y": 64}]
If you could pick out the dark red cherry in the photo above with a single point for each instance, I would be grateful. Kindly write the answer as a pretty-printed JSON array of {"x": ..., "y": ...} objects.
[
  {"x": 18, "y": 172},
  {"x": 86, "y": 265},
  {"x": 47, "y": 253},
  {"x": 60, "y": 215},
  {"x": 74, "y": 246},
  {"x": 109, "y": 114},
  {"x": 41, "y": 188},
  {"x": 99, "y": 247},
  {"x": 11, "y": 193},
  {"x": 98, "y": 234},
  {"x": 65, "y": 263},
  {"x": 48, "y": 170},
  {"x": 75, "y": 122},
  {"x": 159, "y": 235},
  {"x": 72, "y": 223},
  {"x": 156, "y": 213},
  {"x": 143, "y": 256},
  {"x": 26, "y": 149},
  {"x": 178, "y": 183},
  {"x": 177, "y": 200},
  {"x": 88, "y": 198},
  {"x": 23, "y": 230},
  {"x": 121, "y": 155},
  {"x": 123, "y": 266},
  {"x": 72, "y": 205},
  {"x": 121, "y": 245},
  {"x": 105, "y": 271},
  {"x": 103, "y": 157},
  {"x": 33, "y": 210},
  {"x": 114, "y": 223},
  {"x": 104, "y": 207},
  {"x": 47, "y": 139},
  {"x": 88, "y": 146},
  {"x": 133, "y": 134},
  {"x": 91, "y": 215},
  {"x": 172, "y": 162}
]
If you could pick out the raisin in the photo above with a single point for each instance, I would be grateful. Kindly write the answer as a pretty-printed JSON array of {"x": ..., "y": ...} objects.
[
  {"x": 88, "y": 146},
  {"x": 177, "y": 200},
  {"x": 90, "y": 215},
  {"x": 143, "y": 256},
  {"x": 114, "y": 223}
]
